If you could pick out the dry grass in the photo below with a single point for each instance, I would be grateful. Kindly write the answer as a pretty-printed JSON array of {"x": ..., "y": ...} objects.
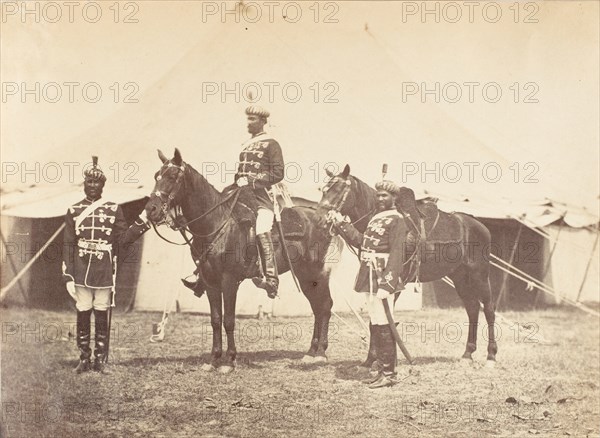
[{"x": 159, "y": 390}]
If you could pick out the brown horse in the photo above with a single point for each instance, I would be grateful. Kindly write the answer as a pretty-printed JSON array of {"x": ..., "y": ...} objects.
[
  {"x": 219, "y": 247},
  {"x": 456, "y": 246}
]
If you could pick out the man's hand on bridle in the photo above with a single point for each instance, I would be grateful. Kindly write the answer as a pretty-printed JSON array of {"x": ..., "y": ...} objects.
[
  {"x": 242, "y": 181},
  {"x": 335, "y": 217}
]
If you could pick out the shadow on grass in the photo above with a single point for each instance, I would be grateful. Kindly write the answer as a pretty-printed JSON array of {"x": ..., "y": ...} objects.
[
  {"x": 245, "y": 359},
  {"x": 351, "y": 369}
]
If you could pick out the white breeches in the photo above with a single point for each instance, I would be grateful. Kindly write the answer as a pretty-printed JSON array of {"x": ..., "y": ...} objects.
[
  {"x": 376, "y": 310},
  {"x": 88, "y": 298},
  {"x": 264, "y": 220}
]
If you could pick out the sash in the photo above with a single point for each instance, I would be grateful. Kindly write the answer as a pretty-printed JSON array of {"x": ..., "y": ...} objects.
[
  {"x": 87, "y": 211},
  {"x": 262, "y": 137}
]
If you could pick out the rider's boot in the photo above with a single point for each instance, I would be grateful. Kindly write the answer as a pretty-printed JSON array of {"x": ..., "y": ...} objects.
[{"x": 270, "y": 281}]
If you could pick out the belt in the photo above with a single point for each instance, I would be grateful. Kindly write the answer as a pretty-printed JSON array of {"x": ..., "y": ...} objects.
[
  {"x": 94, "y": 246},
  {"x": 373, "y": 256}
]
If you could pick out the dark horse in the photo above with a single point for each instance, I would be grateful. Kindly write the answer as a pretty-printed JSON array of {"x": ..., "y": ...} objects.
[
  {"x": 457, "y": 246},
  {"x": 219, "y": 247}
]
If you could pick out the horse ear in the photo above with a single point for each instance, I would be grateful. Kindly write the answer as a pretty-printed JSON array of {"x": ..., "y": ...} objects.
[
  {"x": 162, "y": 156},
  {"x": 346, "y": 171},
  {"x": 329, "y": 172},
  {"x": 177, "y": 158}
]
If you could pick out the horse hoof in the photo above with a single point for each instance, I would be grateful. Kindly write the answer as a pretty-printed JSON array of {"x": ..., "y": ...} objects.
[
  {"x": 490, "y": 364},
  {"x": 320, "y": 359},
  {"x": 225, "y": 369},
  {"x": 308, "y": 359},
  {"x": 466, "y": 362},
  {"x": 208, "y": 367}
]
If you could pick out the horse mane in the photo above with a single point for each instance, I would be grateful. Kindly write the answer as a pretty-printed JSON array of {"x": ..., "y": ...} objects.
[
  {"x": 203, "y": 192},
  {"x": 365, "y": 196}
]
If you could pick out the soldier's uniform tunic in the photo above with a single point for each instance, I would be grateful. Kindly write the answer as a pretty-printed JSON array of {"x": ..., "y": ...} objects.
[
  {"x": 381, "y": 251},
  {"x": 92, "y": 236},
  {"x": 261, "y": 162}
]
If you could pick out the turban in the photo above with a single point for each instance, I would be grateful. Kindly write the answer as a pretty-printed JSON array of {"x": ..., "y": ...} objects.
[
  {"x": 257, "y": 111},
  {"x": 388, "y": 186},
  {"x": 94, "y": 173}
]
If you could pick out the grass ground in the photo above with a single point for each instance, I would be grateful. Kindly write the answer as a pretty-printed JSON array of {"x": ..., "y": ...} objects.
[{"x": 545, "y": 382}]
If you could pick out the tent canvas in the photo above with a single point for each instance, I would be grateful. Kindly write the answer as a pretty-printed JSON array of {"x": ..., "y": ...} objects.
[{"x": 373, "y": 58}]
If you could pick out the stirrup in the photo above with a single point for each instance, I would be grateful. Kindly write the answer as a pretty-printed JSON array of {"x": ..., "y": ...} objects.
[
  {"x": 190, "y": 284},
  {"x": 263, "y": 283}
]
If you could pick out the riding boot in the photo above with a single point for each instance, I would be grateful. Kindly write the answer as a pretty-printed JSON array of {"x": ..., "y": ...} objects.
[
  {"x": 387, "y": 356},
  {"x": 101, "y": 322},
  {"x": 372, "y": 354},
  {"x": 250, "y": 255},
  {"x": 270, "y": 282},
  {"x": 83, "y": 341},
  {"x": 375, "y": 367}
]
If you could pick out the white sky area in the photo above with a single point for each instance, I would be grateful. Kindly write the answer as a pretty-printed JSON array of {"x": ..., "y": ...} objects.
[{"x": 176, "y": 54}]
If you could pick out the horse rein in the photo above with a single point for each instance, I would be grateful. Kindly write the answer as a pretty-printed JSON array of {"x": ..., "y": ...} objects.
[{"x": 167, "y": 211}]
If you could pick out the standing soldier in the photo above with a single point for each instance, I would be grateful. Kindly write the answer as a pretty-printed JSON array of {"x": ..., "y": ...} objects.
[
  {"x": 382, "y": 262},
  {"x": 95, "y": 230},
  {"x": 260, "y": 167}
]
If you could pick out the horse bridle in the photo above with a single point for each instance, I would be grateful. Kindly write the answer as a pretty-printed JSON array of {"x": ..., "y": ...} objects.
[
  {"x": 171, "y": 217},
  {"x": 339, "y": 203},
  {"x": 165, "y": 207}
]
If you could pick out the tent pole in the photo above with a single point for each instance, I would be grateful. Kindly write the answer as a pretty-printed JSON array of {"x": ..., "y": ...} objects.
[
  {"x": 547, "y": 267},
  {"x": 511, "y": 258},
  {"x": 15, "y": 271},
  {"x": 533, "y": 282},
  {"x": 29, "y": 263},
  {"x": 587, "y": 268}
]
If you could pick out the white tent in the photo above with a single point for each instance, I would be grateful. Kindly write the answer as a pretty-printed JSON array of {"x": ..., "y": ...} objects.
[{"x": 175, "y": 58}]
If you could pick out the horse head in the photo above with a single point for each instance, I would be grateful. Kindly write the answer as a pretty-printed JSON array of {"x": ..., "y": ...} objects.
[
  {"x": 166, "y": 193},
  {"x": 337, "y": 195}
]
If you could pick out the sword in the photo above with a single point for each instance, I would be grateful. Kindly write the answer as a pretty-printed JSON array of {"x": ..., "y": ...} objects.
[
  {"x": 395, "y": 334},
  {"x": 112, "y": 304},
  {"x": 284, "y": 250}
]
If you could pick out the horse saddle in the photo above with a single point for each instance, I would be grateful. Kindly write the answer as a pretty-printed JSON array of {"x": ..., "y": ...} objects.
[
  {"x": 429, "y": 228},
  {"x": 291, "y": 221},
  {"x": 294, "y": 228}
]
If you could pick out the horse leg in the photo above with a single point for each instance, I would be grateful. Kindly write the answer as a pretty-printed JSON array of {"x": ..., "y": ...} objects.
[
  {"x": 469, "y": 298},
  {"x": 326, "y": 303},
  {"x": 490, "y": 317},
  {"x": 216, "y": 314},
  {"x": 229, "y": 287},
  {"x": 310, "y": 293}
]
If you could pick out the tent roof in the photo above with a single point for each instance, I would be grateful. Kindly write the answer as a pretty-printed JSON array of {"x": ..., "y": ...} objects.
[{"x": 363, "y": 60}]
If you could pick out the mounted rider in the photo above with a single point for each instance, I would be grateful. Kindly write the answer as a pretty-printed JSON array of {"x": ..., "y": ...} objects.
[
  {"x": 382, "y": 262},
  {"x": 260, "y": 166},
  {"x": 95, "y": 231}
]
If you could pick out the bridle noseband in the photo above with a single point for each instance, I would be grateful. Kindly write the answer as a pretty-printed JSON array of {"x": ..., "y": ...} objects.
[
  {"x": 165, "y": 206},
  {"x": 341, "y": 200}
]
